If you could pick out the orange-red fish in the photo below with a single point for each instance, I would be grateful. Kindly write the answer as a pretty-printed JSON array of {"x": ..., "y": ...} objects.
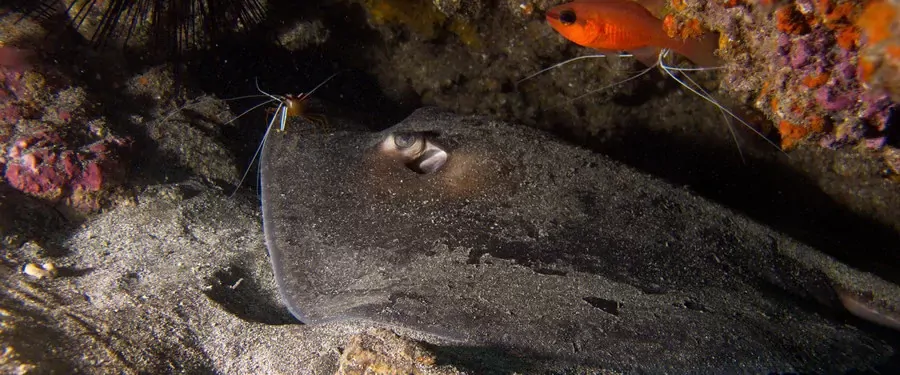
[{"x": 626, "y": 25}]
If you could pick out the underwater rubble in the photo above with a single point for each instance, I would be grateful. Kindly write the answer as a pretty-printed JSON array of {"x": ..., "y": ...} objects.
[
  {"x": 54, "y": 146},
  {"x": 816, "y": 82}
]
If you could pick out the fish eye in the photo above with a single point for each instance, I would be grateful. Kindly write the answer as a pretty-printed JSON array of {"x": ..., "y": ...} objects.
[
  {"x": 405, "y": 140},
  {"x": 567, "y": 17}
]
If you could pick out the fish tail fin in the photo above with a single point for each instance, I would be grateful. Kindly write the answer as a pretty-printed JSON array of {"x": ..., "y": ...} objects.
[{"x": 701, "y": 51}]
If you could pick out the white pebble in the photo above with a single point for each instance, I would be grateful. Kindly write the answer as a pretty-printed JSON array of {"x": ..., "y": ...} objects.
[{"x": 47, "y": 270}]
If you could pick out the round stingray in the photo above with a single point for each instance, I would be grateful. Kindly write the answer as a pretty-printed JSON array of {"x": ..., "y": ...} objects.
[{"x": 516, "y": 242}]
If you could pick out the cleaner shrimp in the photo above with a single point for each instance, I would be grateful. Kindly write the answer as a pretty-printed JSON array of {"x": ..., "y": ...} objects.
[
  {"x": 679, "y": 75},
  {"x": 288, "y": 106}
]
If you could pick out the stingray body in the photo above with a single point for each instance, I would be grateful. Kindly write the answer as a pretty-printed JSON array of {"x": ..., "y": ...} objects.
[{"x": 501, "y": 237}]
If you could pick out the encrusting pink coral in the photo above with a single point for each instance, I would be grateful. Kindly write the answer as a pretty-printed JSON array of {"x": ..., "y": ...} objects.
[{"x": 43, "y": 166}]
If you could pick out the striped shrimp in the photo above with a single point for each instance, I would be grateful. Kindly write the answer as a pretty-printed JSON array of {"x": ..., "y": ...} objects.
[{"x": 289, "y": 106}]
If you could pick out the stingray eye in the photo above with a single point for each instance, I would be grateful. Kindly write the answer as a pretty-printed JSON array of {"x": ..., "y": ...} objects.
[
  {"x": 416, "y": 151},
  {"x": 405, "y": 141},
  {"x": 567, "y": 17}
]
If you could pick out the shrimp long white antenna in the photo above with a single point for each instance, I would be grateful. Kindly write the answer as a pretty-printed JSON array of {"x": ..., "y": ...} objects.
[
  {"x": 282, "y": 108},
  {"x": 283, "y": 103},
  {"x": 190, "y": 104},
  {"x": 725, "y": 117},
  {"x": 665, "y": 68},
  {"x": 249, "y": 110},
  {"x": 258, "y": 149},
  {"x": 566, "y": 62},
  {"x": 701, "y": 69},
  {"x": 636, "y": 76}
]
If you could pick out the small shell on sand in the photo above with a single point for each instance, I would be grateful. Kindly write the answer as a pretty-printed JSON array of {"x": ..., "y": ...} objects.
[{"x": 47, "y": 270}]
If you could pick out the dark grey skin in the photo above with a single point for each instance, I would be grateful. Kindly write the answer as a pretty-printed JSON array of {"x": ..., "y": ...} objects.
[{"x": 514, "y": 241}]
